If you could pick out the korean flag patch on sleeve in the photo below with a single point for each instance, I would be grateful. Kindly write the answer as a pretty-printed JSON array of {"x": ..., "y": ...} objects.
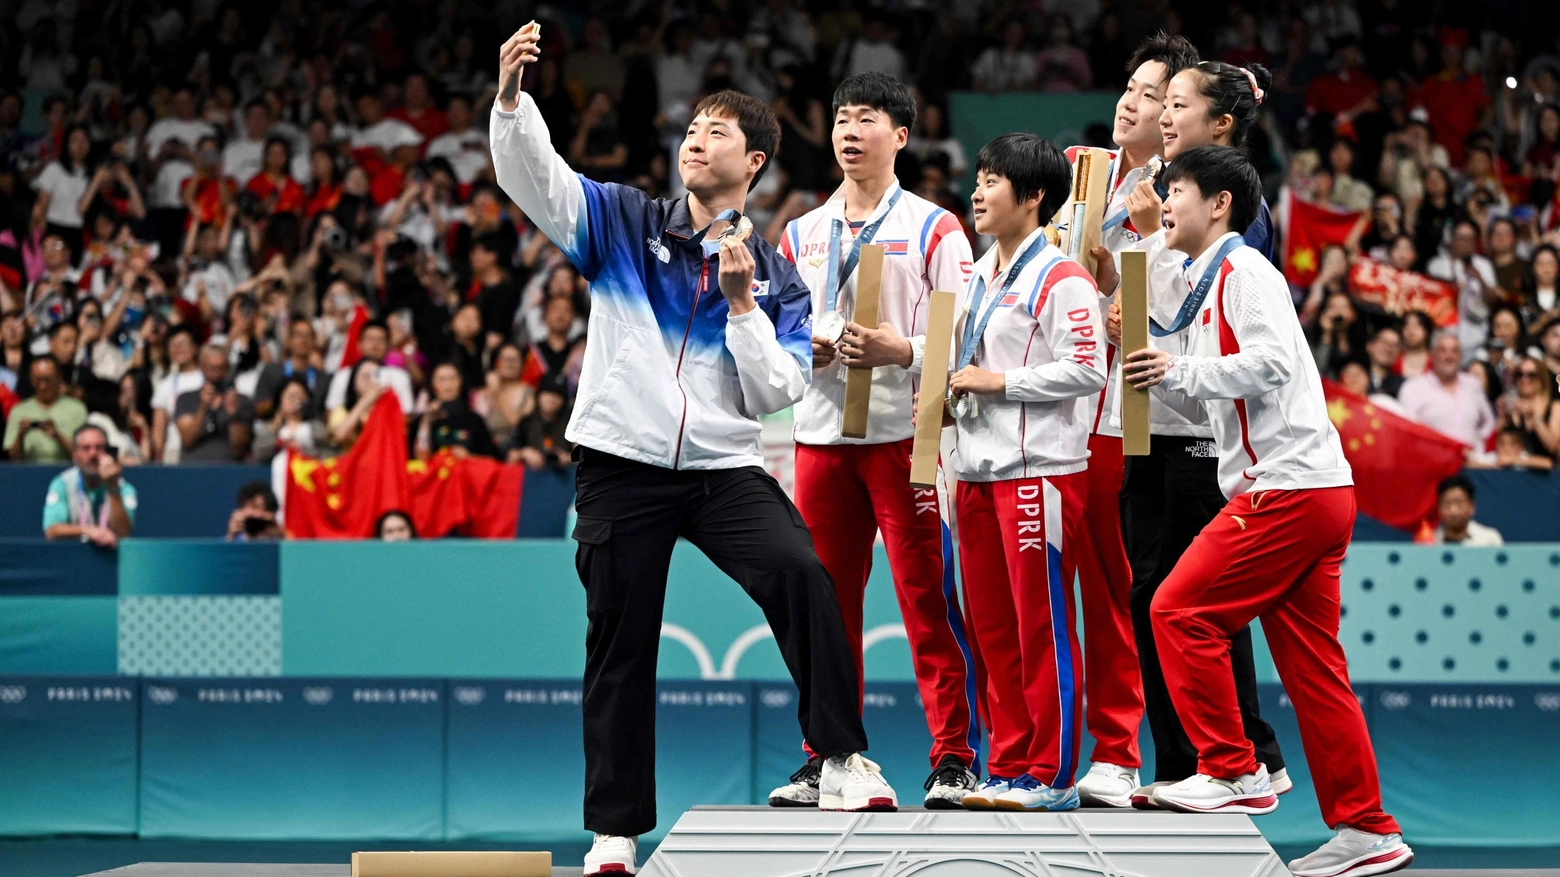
[{"x": 760, "y": 288}]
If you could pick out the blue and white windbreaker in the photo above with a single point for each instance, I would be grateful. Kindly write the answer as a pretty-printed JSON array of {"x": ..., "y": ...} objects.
[{"x": 671, "y": 378}]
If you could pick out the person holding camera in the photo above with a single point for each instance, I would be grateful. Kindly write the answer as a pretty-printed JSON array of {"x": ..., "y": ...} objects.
[
  {"x": 90, "y": 501},
  {"x": 1474, "y": 276},
  {"x": 40, "y": 426},
  {"x": 214, "y": 421},
  {"x": 448, "y": 421},
  {"x": 255, "y": 518}
]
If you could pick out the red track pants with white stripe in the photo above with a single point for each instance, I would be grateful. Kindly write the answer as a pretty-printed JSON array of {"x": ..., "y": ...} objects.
[
  {"x": 1273, "y": 555},
  {"x": 847, "y": 493},
  {"x": 1110, "y": 659},
  {"x": 1016, "y": 543}
]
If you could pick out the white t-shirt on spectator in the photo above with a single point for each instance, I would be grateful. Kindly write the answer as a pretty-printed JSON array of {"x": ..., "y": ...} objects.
[
  {"x": 1472, "y": 280},
  {"x": 173, "y": 128},
  {"x": 242, "y": 159},
  {"x": 861, "y": 56},
  {"x": 164, "y": 396},
  {"x": 467, "y": 152},
  {"x": 1000, "y": 70},
  {"x": 1479, "y": 536},
  {"x": 219, "y": 283},
  {"x": 65, "y": 190},
  {"x": 386, "y": 134},
  {"x": 394, "y": 377},
  {"x": 170, "y": 178}
]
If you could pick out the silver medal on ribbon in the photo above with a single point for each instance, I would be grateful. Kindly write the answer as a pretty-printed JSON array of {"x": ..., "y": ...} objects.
[{"x": 830, "y": 326}]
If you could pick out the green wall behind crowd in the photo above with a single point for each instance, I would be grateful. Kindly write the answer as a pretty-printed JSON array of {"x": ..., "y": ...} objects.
[{"x": 976, "y": 118}]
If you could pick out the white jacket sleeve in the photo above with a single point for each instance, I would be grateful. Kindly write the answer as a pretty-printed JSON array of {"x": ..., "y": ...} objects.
[
  {"x": 1070, "y": 321},
  {"x": 537, "y": 178},
  {"x": 1264, "y": 362},
  {"x": 772, "y": 379},
  {"x": 947, "y": 270}
]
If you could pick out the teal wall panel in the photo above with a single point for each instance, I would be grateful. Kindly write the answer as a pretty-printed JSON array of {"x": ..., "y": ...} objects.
[
  {"x": 214, "y": 567},
  {"x": 68, "y": 755},
  {"x": 58, "y": 635}
]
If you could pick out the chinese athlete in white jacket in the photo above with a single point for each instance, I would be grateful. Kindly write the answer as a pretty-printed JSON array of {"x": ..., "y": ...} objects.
[{"x": 1275, "y": 551}]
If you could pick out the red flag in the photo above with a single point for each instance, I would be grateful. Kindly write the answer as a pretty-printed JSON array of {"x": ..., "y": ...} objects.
[
  {"x": 1398, "y": 292},
  {"x": 1311, "y": 230},
  {"x": 471, "y": 496},
  {"x": 493, "y": 497},
  {"x": 1397, "y": 463},
  {"x": 342, "y": 498},
  {"x": 350, "y": 354}
]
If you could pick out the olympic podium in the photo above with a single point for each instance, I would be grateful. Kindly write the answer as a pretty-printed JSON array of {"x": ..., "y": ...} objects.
[{"x": 766, "y": 842}]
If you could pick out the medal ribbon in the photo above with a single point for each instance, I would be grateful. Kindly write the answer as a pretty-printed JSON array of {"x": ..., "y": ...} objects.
[
  {"x": 973, "y": 330},
  {"x": 1194, "y": 302},
  {"x": 839, "y": 277}
]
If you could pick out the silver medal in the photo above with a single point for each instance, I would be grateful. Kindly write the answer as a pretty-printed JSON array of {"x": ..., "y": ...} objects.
[
  {"x": 961, "y": 406},
  {"x": 830, "y": 326}
]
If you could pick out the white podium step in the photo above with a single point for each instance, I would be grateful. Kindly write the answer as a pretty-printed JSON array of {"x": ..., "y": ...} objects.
[{"x": 767, "y": 842}]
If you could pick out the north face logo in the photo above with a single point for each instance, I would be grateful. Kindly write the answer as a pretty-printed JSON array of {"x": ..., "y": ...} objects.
[{"x": 659, "y": 250}]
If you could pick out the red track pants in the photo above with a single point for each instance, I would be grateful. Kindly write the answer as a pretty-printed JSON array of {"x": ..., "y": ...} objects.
[
  {"x": 847, "y": 493},
  {"x": 1016, "y": 543},
  {"x": 1273, "y": 555},
  {"x": 1112, "y": 682}
]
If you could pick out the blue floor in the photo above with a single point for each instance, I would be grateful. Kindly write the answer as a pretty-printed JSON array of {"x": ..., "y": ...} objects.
[{"x": 74, "y": 856}]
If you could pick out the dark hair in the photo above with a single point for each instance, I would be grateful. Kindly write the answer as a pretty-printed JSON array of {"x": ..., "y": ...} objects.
[
  {"x": 276, "y": 398},
  {"x": 181, "y": 329},
  {"x": 879, "y": 91},
  {"x": 493, "y": 242},
  {"x": 1175, "y": 52},
  {"x": 379, "y": 525},
  {"x": 1515, "y": 313},
  {"x": 62, "y": 325},
  {"x": 1229, "y": 93},
  {"x": 64, "y": 158},
  {"x": 1215, "y": 169},
  {"x": 352, "y": 391},
  {"x": 286, "y": 145},
  {"x": 76, "y": 436},
  {"x": 252, "y": 489},
  {"x": 1500, "y": 220},
  {"x": 754, "y": 118},
  {"x": 1425, "y": 322},
  {"x": 1456, "y": 482},
  {"x": 1387, "y": 327},
  {"x": 253, "y": 103},
  {"x": 375, "y": 323},
  {"x": 1033, "y": 166}
]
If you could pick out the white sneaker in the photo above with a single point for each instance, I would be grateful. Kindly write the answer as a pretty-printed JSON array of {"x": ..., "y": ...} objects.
[
  {"x": 1028, "y": 793},
  {"x": 852, "y": 783},
  {"x": 948, "y": 784},
  {"x": 1281, "y": 781},
  {"x": 985, "y": 797},
  {"x": 1249, "y": 793},
  {"x": 611, "y": 854},
  {"x": 1107, "y": 785},
  {"x": 1356, "y": 854},
  {"x": 1143, "y": 796},
  {"x": 802, "y": 790}
]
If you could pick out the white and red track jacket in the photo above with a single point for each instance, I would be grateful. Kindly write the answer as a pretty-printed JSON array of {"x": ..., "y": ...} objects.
[
  {"x": 925, "y": 249},
  {"x": 1120, "y": 237},
  {"x": 1047, "y": 337},
  {"x": 1248, "y": 368}
]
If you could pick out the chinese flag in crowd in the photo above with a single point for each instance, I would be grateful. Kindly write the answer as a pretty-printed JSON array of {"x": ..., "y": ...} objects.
[
  {"x": 1311, "y": 230},
  {"x": 1397, "y": 463},
  {"x": 471, "y": 496},
  {"x": 1398, "y": 292},
  {"x": 342, "y": 498}
]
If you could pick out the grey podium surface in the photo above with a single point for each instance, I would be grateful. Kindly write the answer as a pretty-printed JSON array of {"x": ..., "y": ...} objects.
[
  {"x": 765, "y": 842},
  {"x": 186, "y": 869}
]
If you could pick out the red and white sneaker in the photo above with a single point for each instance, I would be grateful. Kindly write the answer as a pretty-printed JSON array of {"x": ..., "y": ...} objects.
[
  {"x": 851, "y": 782},
  {"x": 612, "y": 855},
  {"x": 1143, "y": 796},
  {"x": 1250, "y": 793},
  {"x": 1356, "y": 854}
]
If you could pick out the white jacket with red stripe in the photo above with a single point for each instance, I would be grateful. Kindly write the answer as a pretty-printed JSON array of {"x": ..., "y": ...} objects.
[
  {"x": 925, "y": 249},
  {"x": 1047, "y": 338},
  {"x": 1248, "y": 369}
]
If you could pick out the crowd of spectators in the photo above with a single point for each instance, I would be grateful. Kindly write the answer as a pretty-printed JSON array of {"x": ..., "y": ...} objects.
[{"x": 231, "y": 228}]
